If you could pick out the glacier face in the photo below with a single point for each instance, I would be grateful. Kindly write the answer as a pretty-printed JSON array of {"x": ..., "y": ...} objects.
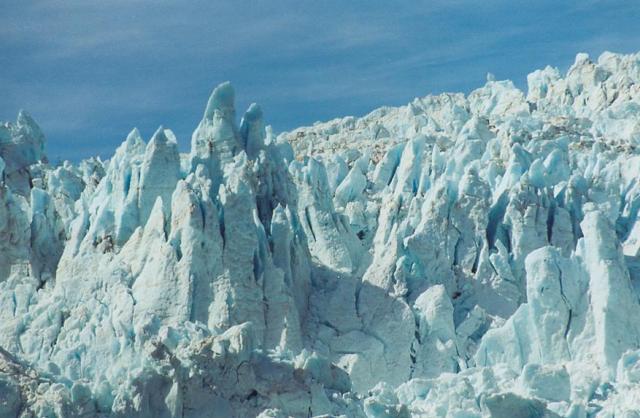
[{"x": 461, "y": 256}]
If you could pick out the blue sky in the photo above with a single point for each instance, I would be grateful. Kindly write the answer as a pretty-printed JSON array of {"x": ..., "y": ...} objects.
[{"x": 89, "y": 71}]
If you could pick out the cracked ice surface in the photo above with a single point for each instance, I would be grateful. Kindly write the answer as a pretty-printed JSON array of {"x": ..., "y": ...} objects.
[{"x": 461, "y": 256}]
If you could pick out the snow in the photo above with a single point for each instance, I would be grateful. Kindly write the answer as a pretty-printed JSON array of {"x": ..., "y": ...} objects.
[{"x": 459, "y": 256}]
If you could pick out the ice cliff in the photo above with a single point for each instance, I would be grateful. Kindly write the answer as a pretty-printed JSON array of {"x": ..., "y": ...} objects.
[{"x": 459, "y": 257}]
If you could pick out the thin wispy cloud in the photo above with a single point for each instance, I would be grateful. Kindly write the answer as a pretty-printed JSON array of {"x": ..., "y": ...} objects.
[{"x": 90, "y": 71}]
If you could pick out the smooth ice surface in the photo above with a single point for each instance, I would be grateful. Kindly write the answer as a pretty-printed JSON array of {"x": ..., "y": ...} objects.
[{"x": 471, "y": 256}]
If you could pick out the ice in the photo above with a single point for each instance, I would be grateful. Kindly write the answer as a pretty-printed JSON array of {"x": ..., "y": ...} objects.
[
  {"x": 551, "y": 383},
  {"x": 21, "y": 146},
  {"x": 159, "y": 173},
  {"x": 252, "y": 131},
  {"x": 460, "y": 256},
  {"x": 436, "y": 350}
]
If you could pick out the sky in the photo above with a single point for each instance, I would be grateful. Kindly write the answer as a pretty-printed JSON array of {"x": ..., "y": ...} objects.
[{"x": 89, "y": 71}]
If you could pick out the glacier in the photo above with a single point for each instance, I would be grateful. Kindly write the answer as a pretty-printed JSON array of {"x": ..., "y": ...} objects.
[{"x": 463, "y": 256}]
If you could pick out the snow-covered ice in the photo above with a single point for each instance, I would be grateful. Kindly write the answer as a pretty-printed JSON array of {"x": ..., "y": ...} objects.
[{"x": 458, "y": 257}]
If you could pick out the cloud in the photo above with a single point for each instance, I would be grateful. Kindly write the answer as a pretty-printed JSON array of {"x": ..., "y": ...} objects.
[{"x": 90, "y": 71}]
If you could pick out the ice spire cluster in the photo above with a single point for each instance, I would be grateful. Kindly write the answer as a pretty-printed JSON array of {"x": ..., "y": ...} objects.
[{"x": 461, "y": 256}]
